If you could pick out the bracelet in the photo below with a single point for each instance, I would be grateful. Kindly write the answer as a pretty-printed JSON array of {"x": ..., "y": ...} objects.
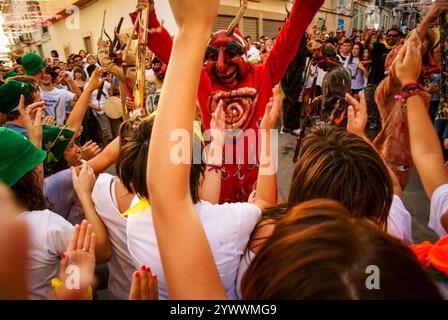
[
  {"x": 408, "y": 90},
  {"x": 212, "y": 167}
]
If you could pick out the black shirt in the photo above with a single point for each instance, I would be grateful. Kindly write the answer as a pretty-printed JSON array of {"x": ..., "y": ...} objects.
[{"x": 379, "y": 54}]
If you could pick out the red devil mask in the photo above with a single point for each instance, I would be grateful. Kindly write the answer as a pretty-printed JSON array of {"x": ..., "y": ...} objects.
[{"x": 226, "y": 60}]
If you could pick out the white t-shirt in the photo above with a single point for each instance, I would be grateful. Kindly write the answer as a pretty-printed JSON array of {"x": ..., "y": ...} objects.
[
  {"x": 49, "y": 238},
  {"x": 439, "y": 206},
  {"x": 399, "y": 221},
  {"x": 55, "y": 103},
  {"x": 355, "y": 73},
  {"x": 253, "y": 54},
  {"x": 245, "y": 262},
  {"x": 320, "y": 76},
  {"x": 228, "y": 228},
  {"x": 121, "y": 264},
  {"x": 104, "y": 96}
]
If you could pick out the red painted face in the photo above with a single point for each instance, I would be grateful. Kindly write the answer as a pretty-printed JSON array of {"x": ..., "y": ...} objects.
[{"x": 226, "y": 60}]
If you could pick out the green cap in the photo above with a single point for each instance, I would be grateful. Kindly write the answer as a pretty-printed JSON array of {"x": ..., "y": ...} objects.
[
  {"x": 10, "y": 94},
  {"x": 18, "y": 156},
  {"x": 55, "y": 140},
  {"x": 32, "y": 63},
  {"x": 10, "y": 74}
]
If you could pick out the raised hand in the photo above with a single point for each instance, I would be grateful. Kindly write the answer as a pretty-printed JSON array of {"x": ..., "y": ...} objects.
[
  {"x": 194, "y": 14},
  {"x": 357, "y": 115},
  {"x": 143, "y": 4},
  {"x": 90, "y": 150},
  {"x": 83, "y": 180},
  {"x": 102, "y": 43},
  {"x": 436, "y": 10},
  {"x": 32, "y": 119},
  {"x": 95, "y": 81},
  {"x": 408, "y": 63},
  {"x": 80, "y": 256},
  {"x": 272, "y": 110},
  {"x": 144, "y": 285},
  {"x": 218, "y": 122}
]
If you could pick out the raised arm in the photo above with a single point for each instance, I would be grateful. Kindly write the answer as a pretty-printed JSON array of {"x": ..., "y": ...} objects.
[
  {"x": 289, "y": 37},
  {"x": 356, "y": 124},
  {"x": 266, "y": 194},
  {"x": 425, "y": 146},
  {"x": 83, "y": 183},
  {"x": 369, "y": 44},
  {"x": 74, "y": 121},
  {"x": 106, "y": 158},
  {"x": 188, "y": 264},
  {"x": 434, "y": 12},
  {"x": 158, "y": 42},
  {"x": 211, "y": 185},
  {"x": 107, "y": 62}
]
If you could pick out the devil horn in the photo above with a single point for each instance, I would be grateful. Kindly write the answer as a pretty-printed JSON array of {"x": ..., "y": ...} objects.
[{"x": 237, "y": 18}]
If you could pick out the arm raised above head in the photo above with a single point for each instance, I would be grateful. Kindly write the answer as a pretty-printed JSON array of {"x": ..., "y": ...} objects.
[
  {"x": 158, "y": 42},
  {"x": 288, "y": 40},
  {"x": 188, "y": 264}
]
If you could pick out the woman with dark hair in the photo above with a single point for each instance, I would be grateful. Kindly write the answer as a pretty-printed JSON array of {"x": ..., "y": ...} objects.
[
  {"x": 318, "y": 251},
  {"x": 79, "y": 77},
  {"x": 356, "y": 73},
  {"x": 21, "y": 170}
]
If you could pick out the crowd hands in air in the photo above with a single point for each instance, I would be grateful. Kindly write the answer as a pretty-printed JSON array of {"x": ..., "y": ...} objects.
[{"x": 158, "y": 224}]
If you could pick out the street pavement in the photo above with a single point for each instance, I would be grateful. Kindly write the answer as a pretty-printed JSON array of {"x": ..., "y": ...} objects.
[{"x": 414, "y": 197}]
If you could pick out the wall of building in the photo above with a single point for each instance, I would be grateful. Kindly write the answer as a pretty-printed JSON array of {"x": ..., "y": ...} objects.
[{"x": 62, "y": 34}]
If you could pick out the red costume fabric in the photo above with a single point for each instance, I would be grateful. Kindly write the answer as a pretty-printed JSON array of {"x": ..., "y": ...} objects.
[{"x": 246, "y": 99}]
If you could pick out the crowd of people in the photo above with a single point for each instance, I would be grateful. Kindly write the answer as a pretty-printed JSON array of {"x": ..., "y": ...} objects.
[{"x": 95, "y": 179}]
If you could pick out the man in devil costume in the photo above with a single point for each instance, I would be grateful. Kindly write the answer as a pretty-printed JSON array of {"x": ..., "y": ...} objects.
[{"x": 245, "y": 89}]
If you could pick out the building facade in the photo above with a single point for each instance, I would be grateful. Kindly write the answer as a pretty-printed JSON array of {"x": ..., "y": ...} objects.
[{"x": 71, "y": 25}]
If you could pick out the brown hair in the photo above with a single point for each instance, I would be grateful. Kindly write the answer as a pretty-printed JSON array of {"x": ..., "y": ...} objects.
[
  {"x": 131, "y": 164},
  {"x": 317, "y": 251},
  {"x": 336, "y": 164},
  {"x": 29, "y": 192},
  {"x": 79, "y": 70}
]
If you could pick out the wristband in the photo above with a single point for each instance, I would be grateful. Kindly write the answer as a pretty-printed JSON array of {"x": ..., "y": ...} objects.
[{"x": 408, "y": 90}]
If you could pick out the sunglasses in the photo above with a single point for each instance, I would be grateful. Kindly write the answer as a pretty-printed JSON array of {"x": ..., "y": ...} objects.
[
  {"x": 77, "y": 60},
  {"x": 392, "y": 35}
]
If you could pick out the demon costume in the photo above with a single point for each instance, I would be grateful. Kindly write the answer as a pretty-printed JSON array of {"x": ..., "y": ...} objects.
[
  {"x": 336, "y": 83},
  {"x": 245, "y": 89},
  {"x": 292, "y": 86}
]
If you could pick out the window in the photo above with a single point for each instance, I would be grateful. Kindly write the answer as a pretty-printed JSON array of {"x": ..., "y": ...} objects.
[
  {"x": 341, "y": 24},
  {"x": 356, "y": 20},
  {"x": 320, "y": 22},
  {"x": 40, "y": 50},
  {"x": 341, "y": 4},
  {"x": 67, "y": 50},
  {"x": 88, "y": 44}
]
